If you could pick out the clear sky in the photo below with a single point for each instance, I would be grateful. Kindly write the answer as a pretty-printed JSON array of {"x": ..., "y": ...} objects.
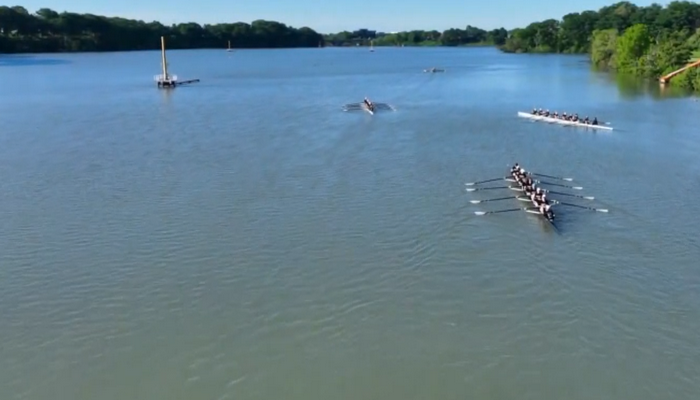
[{"x": 326, "y": 16}]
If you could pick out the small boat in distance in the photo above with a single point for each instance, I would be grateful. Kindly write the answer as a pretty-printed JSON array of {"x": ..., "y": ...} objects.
[
  {"x": 229, "y": 47},
  {"x": 434, "y": 70},
  {"x": 371, "y": 46}
]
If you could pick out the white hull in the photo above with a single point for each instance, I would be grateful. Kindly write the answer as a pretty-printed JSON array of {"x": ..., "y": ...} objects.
[{"x": 561, "y": 121}]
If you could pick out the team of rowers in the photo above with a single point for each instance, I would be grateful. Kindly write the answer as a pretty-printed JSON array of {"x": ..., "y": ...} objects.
[
  {"x": 536, "y": 195},
  {"x": 369, "y": 104},
  {"x": 564, "y": 116}
]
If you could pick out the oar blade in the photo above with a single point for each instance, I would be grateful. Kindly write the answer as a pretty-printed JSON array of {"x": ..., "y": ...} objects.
[
  {"x": 475, "y": 201},
  {"x": 471, "y": 190},
  {"x": 480, "y": 212},
  {"x": 603, "y": 210},
  {"x": 588, "y": 197},
  {"x": 576, "y": 187}
]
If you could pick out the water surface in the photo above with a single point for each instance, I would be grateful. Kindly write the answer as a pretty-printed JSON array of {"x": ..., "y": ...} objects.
[{"x": 244, "y": 238}]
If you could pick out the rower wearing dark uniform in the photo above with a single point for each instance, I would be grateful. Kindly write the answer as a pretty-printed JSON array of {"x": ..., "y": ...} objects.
[
  {"x": 514, "y": 168},
  {"x": 595, "y": 121},
  {"x": 369, "y": 104},
  {"x": 546, "y": 210},
  {"x": 541, "y": 196}
]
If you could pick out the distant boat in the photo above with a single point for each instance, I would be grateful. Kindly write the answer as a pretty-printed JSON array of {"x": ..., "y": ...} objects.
[
  {"x": 229, "y": 47},
  {"x": 371, "y": 46}
]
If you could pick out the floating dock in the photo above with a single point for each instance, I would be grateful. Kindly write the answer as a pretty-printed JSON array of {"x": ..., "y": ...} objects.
[{"x": 165, "y": 80}]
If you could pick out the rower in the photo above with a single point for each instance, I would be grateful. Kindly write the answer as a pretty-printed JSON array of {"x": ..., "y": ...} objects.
[
  {"x": 585, "y": 120},
  {"x": 575, "y": 117},
  {"x": 541, "y": 197},
  {"x": 595, "y": 121},
  {"x": 546, "y": 210},
  {"x": 534, "y": 111},
  {"x": 514, "y": 168}
]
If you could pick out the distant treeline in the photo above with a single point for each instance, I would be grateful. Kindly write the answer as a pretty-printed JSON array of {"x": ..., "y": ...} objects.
[
  {"x": 641, "y": 41},
  {"x": 49, "y": 31},
  {"x": 451, "y": 37}
]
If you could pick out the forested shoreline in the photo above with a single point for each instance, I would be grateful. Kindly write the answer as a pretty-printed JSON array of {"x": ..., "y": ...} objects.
[
  {"x": 470, "y": 36},
  {"x": 641, "y": 41},
  {"x": 48, "y": 31}
]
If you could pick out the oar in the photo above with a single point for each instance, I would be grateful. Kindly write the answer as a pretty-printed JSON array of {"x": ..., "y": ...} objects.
[
  {"x": 491, "y": 188},
  {"x": 556, "y": 184},
  {"x": 571, "y": 195},
  {"x": 484, "y": 201},
  {"x": 603, "y": 210},
  {"x": 554, "y": 177},
  {"x": 496, "y": 212},
  {"x": 486, "y": 181}
]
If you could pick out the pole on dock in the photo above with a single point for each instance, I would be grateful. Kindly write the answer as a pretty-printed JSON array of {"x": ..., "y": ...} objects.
[{"x": 164, "y": 61}]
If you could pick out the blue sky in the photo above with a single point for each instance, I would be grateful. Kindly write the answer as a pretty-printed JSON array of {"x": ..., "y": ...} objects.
[{"x": 328, "y": 16}]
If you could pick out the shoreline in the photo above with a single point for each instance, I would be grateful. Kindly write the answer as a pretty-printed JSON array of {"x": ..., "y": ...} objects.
[{"x": 234, "y": 50}]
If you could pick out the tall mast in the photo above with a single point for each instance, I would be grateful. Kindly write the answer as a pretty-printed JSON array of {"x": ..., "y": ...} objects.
[{"x": 163, "y": 60}]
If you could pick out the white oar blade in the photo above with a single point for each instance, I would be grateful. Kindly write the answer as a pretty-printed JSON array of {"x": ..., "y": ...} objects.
[
  {"x": 568, "y": 179},
  {"x": 470, "y": 190},
  {"x": 589, "y": 197},
  {"x": 577, "y": 187},
  {"x": 475, "y": 201},
  {"x": 601, "y": 210},
  {"x": 480, "y": 212},
  {"x": 470, "y": 184}
]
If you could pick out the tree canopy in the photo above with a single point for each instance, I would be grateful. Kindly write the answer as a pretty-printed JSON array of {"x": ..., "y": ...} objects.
[
  {"x": 451, "y": 37},
  {"x": 642, "y": 41},
  {"x": 50, "y": 31},
  {"x": 574, "y": 33}
]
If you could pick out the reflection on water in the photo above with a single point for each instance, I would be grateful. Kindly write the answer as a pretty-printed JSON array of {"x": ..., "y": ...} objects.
[
  {"x": 631, "y": 87},
  {"x": 27, "y": 60}
]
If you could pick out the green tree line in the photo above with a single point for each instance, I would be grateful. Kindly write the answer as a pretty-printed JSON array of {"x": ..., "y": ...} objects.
[
  {"x": 642, "y": 41},
  {"x": 574, "y": 32},
  {"x": 50, "y": 31},
  {"x": 450, "y": 37}
]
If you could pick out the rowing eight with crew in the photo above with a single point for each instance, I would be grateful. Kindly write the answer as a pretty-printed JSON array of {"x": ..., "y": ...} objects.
[
  {"x": 564, "y": 116},
  {"x": 536, "y": 195}
]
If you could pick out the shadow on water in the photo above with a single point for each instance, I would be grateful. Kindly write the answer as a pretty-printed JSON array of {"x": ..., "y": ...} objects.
[
  {"x": 24, "y": 60},
  {"x": 631, "y": 87}
]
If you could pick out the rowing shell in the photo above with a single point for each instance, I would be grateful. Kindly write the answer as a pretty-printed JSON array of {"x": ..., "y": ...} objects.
[
  {"x": 561, "y": 121},
  {"x": 527, "y": 199},
  {"x": 363, "y": 106}
]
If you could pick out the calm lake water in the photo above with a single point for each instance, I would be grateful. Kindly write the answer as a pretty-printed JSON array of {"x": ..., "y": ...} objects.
[{"x": 244, "y": 238}]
